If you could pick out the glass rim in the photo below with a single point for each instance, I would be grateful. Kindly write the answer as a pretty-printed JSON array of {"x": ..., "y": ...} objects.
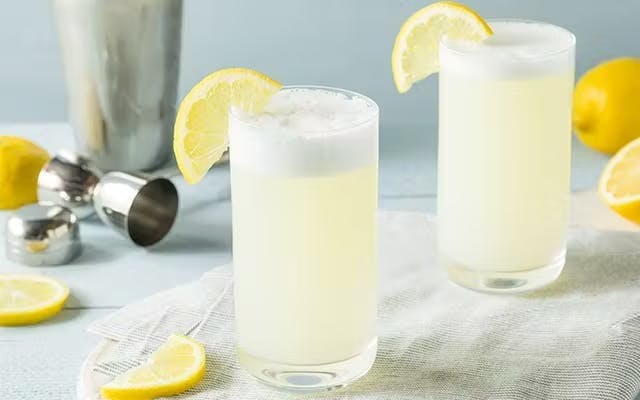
[
  {"x": 375, "y": 114},
  {"x": 550, "y": 54}
]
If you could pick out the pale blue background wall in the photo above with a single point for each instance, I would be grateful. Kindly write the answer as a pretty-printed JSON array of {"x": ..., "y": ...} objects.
[
  {"x": 336, "y": 42},
  {"x": 343, "y": 43}
]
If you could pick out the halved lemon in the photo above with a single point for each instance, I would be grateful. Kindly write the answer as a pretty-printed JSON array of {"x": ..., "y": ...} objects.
[
  {"x": 27, "y": 299},
  {"x": 619, "y": 185},
  {"x": 177, "y": 365},
  {"x": 200, "y": 131},
  {"x": 416, "y": 51}
]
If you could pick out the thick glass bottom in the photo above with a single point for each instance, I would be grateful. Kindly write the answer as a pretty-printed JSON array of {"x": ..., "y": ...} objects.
[
  {"x": 309, "y": 378},
  {"x": 504, "y": 282}
]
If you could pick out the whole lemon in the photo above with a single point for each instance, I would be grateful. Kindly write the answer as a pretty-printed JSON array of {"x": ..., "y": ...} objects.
[
  {"x": 606, "y": 105},
  {"x": 20, "y": 164}
]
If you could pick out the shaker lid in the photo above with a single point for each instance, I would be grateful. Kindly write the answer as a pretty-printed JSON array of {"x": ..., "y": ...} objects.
[{"x": 42, "y": 234}]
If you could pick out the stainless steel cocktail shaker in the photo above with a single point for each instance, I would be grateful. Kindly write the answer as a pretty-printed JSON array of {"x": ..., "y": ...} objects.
[{"x": 121, "y": 61}]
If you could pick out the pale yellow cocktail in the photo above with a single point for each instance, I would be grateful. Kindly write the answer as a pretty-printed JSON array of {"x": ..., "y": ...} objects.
[
  {"x": 504, "y": 156},
  {"x": 304, "y": 197}
]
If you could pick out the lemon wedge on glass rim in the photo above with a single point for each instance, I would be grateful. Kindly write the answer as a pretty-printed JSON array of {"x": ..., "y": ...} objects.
[
  {"x": 416, "y": 51},
  {"x": 177, "y": 365},
  {"x": 27, "y": 299},
  {"x": 200, "y": 134}
]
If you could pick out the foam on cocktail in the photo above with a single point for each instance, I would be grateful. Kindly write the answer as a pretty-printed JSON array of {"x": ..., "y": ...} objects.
[
  {"x": 312, "y": 113},
  {"x": 306, "y": 131},
  {"x": 517, "y": 49}
]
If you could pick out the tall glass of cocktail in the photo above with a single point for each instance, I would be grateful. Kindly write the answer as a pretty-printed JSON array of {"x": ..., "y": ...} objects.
[
  {"x": 304, "y": 197},
  {"x": 504, "y": 155}
]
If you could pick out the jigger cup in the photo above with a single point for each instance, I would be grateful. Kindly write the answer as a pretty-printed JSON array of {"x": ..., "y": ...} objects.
[
  {"x": 69, "y": 179},
  {"x": 140, "y": 208}
]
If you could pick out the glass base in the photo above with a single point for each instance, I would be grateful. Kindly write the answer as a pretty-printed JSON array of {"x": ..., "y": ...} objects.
[
  {"x": 309, "y": 378},
  {"x": 505, "y": 282}
]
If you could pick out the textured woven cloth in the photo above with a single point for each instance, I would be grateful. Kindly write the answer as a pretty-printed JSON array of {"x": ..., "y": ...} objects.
[{"x": 579, "y": 338}]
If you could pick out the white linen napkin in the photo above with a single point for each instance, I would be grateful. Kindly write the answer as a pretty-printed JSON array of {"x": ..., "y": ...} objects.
[{"x": 579, "y": 338}]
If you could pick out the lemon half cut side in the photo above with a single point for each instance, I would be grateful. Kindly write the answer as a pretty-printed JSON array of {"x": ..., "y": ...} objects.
[{"x": 619, "y": 185}]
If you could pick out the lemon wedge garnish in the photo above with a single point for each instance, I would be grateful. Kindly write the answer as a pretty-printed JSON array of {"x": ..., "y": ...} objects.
[
  {"x": 177, "y": 365},
  {"x": 200, "y": 131},
  {"x": 416, "y": 51},
  {"x": 27, "y": 299},
  {"x": 619, "y": 185}
]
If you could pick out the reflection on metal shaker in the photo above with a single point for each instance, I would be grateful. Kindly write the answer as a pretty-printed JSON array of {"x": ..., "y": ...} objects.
[{"x": 121, "y": 60}]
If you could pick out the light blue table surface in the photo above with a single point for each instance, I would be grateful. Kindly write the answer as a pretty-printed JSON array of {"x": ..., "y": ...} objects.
[
  {"x": 45, "y": 359},
  {"x": 331, "y": 42}
]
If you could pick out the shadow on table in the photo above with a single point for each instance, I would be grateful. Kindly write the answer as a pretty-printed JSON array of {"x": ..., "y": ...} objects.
[
  {"x": 67, "y": 314},
  {"x": 194, "y": 207},
  {"x": 191, "y": 245},
  {"x": 196, "y": 239},
  {"x": 92, "y": 254}
]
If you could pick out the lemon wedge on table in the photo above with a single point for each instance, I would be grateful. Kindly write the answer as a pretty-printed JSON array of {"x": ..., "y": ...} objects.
[
  {"x": 619, "y": 185},
  {"x": 416, "y": 51},
  {"x": 27, "y": 299},
  {"x": 177, "y": 365},
  {"x": 200, "y": 132}
]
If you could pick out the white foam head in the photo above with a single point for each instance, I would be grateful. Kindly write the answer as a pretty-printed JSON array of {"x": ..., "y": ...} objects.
[
  {"x": 306, "y": 130},
  {"x": 517, "y": 49}
]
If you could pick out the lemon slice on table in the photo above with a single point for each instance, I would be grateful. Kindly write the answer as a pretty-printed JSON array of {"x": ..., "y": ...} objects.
[
  {"x": 177, "y": 365},
  {"x": 200, "y": 132},
  {"x": 619, "y": 185},
  {"x": 27, "y": 299},
  {"x": 416, "y": 51}
]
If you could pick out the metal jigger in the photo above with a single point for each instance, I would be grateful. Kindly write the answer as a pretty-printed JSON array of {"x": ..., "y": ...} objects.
[
  {"x": 140, "y": 208},
  {"x": 69, "y": 180}
]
